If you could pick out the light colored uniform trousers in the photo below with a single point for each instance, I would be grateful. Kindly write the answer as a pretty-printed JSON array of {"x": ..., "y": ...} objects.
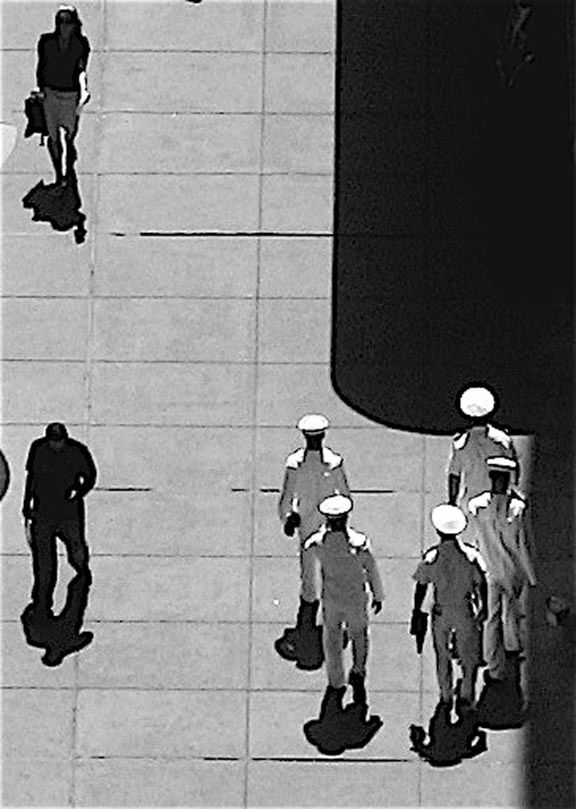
[
  {"x": 467, "y": 647},
  {"x": 356, "y": 620},
  {"x": 502, "y": 630}
]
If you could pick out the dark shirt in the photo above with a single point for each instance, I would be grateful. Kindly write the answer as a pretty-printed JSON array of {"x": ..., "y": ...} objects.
[
  {"x": 54, "y": 473},
  {"x": 60, "y": 68}
]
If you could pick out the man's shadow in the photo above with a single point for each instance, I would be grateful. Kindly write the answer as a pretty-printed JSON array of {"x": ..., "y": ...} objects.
[
  {"x": 448, "y": 743},
  {"x": 338, "y": 729},
  {"x": 60, "y": 634},
  {"x": 501, "y": 704},
  {"x": 60, "y": 205}
]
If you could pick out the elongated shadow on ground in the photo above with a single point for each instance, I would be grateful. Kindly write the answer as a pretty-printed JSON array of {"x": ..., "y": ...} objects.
[
  {"x": 60, "y": 635},
  {"x": 448, "y": 742},
  {"x": 338, "y": 728},
  {"x": 59, "y": 205}
]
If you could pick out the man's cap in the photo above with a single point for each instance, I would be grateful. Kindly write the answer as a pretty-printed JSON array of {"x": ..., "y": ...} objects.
[
  {"x": 313, "y": 423},
  {"x": 56, "y": 431},
  {"x": 335, "y": 506},
  {"x": 448, "y": 519},
  {"x": 67, "y": 11},
  {"x": 499, "y": 464},
  {"x": 477, "y": 402}
]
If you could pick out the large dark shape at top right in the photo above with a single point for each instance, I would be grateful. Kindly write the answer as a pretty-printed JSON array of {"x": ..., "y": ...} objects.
[{"x": 453, "y": 251}]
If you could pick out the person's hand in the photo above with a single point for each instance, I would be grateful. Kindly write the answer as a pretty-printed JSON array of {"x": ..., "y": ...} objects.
[
  {"x": 481, "y": 616},
  {"x": 72, "y": 494},
  {"x": 291, "y": 524},
  {"x": 517, "y": 506},
  {"x": 415, "y": 621},
  {"x": 376, "y": 606}
]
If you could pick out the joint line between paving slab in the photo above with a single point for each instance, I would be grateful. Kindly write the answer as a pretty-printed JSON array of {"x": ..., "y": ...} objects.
[{"x": 255, "y": 413}]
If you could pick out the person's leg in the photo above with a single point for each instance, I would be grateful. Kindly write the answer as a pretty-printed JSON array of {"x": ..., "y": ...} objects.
[
  {"x": 493, "y": 633},
  {"x": 44, "y": 563},
  {"x": 332, "y": 643},
  {"x": 468, "y": 639},
  {"x": 511, "y": 619},
  {"x": 441, "y": 635},
  {"x": 71, "y": 533},
  {"x": 359, "y": 635},
  {"x": 52, "y": 113},
  {"x": 71, "y": 120}
]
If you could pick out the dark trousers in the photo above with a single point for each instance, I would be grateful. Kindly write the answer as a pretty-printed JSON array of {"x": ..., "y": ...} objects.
[{"x": 44, "y": 531}]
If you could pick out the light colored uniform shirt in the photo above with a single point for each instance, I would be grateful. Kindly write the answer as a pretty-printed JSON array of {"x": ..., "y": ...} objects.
[
  {"x": 469, "y": 454},
  {"x": 311, "y": 477},
  {"x": 346, "y": 565},
  {"x": 456, "y": 572}
]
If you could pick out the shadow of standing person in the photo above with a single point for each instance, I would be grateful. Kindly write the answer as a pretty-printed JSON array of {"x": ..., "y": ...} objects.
[
  {"x": 60, "y": 634},
  {"x": 448, "y": 742},
  {"x": 60, "y": 205}
]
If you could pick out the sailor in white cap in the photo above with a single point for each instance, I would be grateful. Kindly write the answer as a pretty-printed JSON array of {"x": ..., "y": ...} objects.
[
  {"x": 339, "y": 565},
  {"x": 312, "y": 473},
  {"x": 504, "y": 547},
  {"x": 457, "y": 573},
  {"x": 468, "y": 474}
]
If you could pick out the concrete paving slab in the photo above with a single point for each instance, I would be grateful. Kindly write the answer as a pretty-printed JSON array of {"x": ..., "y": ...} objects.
[
  {"x": 482, "y": 784},
  {"x": 167, "y": 393},
  {"x": 25, "y": 270},
  {"x": 130, "y": 782},
  {"x": 22, "y": 666},
  {"x": 199, "y": 82},
  {"x": 277, "y": 719},
  {"x": 180, "y": 144},
  {"x": 299, "y": 83},
  {"x": 17, "y": 220},
  {"x": 28, "y": 781},
  {"x": 151, "y": 724},
  {"x": 175, "y": 589},
  {"x": 218, "y": 459},
  {"x": 188, "y": 267},
  {"x": 287, "y": 391},
  {"x": 18, "y": 76},
  {"x": 295, "y": 267},
  {"x": 30, "y": 157},
  {"x": 298, "y": 143},
  {"x": 391, "y": 522},
  {"x": 165, "y": 656},
  {"x": 190, "y": 203},
  {"x": 221, "y": 25},
  {"x": 174, "y": 330},
  {"x": 374, "y": 459},
  {"x": 170, "y": 524},
  {"x": 297, "y": 204},
  {"x": 29, "y": 333},
  {"x": 283, "y": 336},
  {"x": 392, "y": 662},
  {"x": 17, "y": 581},
  {"x": 36, "y": 723},
  {"x": 300, "y": 26},
  {"x": 49, "y": 391},
  {"x": 276, "y": 586},
  {"x": 24, "y": 22},
  {"x": 345, "y": 783}
]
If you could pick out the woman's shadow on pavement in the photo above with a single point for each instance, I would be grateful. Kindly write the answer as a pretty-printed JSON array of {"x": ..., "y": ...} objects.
[{"x": 60, "y": 205}]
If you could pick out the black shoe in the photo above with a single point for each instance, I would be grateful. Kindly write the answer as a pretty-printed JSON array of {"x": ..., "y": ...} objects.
[
  {"x": 358, "y": 689},
  {"x": 55, "y": 655}
]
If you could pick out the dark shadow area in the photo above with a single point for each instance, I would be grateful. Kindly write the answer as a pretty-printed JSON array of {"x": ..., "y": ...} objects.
[
  {"x": 501, "y": 704},
  {"x": 61, "y": 634},
  {"x": 448, "y": 743},
  {"x": 60, "y": 205},
  {"x": 454, "y": 263},
  {"x": 302, "y": 646},
  {"x": 339, "y": 728}
]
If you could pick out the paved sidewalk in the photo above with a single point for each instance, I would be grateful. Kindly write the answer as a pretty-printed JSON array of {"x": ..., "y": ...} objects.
[{"x": 184, "y": 361}]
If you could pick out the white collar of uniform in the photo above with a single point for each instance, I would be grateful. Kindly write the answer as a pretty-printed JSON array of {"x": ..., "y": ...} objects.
[
  {"x": 330, "y": 458},
  {"x": 499, "y": 436}
]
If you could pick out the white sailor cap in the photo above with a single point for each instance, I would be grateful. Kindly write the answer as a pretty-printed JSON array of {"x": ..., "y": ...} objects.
[
  {"x": 448, "y": 519},
  {"x": 313, "y": 423},
  {"x": 500, "y": 464},
  {"x": 335, "y": 506},
  {"x": 477, "y": 402}
]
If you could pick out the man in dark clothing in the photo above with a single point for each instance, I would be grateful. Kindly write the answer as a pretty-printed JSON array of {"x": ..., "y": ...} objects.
[
  {"x": 61, "y": 77},
  {"x": 60, "y": 472},
  {"x": 4, "y": 475}
]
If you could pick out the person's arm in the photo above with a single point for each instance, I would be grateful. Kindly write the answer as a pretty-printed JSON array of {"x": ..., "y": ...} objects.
[
  {"x": 453, "y": 488},
  {"x": 419, "y": 596},
  {"x": 40, "y": 66},
  {"x": 373, "y": 579},
  {"x": 85, "y": 479},
  {"x": 83, "y": 76},
  {"x": 28, "y": 487},
  {"x": 290, "y": 519},
  {"x": 455, "y": 468},
  {"x": 341, "y": 481}
]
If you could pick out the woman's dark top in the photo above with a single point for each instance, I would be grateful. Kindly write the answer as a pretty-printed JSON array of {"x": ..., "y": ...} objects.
[{"x": 60, "y": 68}]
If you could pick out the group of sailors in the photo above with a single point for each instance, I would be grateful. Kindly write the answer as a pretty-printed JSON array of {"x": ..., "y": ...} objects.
[{"x": 479, "y": 571}]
